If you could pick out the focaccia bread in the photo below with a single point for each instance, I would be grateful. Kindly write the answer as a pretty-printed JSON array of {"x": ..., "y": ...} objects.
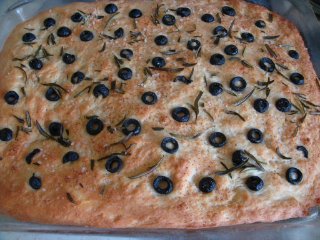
[{"x": 158, "y": 114}]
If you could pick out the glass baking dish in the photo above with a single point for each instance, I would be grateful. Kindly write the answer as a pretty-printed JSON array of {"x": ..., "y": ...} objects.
[{"x": 301, "y": 14}]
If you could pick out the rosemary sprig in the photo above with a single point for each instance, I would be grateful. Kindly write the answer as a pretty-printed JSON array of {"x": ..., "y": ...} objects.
[
  {"x": 258, "y": 162},
  {"x": 149, "y": 171},
  {"x": 230, "y": 170},
  {"x": 155, "y": 16},
  {"x": 62, "y": 141},
  {"x": 225, "y": 166}
]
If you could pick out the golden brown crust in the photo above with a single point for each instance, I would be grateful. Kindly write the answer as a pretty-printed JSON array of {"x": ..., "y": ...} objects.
[{"x": 102, "y": 199}]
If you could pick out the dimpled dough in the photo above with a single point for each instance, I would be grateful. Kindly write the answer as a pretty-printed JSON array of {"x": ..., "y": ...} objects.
[{"x": 99, "y": 165}]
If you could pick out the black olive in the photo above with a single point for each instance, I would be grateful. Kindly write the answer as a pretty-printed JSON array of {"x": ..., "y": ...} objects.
[
  {"x": 180, "y": 114},
  {"x": 31, "y": 155},
  {"x": 182, "y": 79},
  {"x": 294, "y": 176},
  {"x": 94, "y": 126},
  {"x": 6, "y": 134},
  {"x": 254, "y": 183},
  {"x": 114, "y": 164},
  {"x": 111, "y": 8},
  {"x": 238, "y": 157},
  {"x": 158, "y": 62},
  {"x": 135, "y": 13},
  {"x": 208, "y": 18},
  {"x": 238, "y": 84},
  {"x": 149, "y": 98},
  {"x": 248, "y": 37},
  {"x": 260, "y": 24},
  {"x": 49, "y": 22},
  {"x": 267, "y": 64},
  {"x": 35, "y": 64},
  {"x": 35, "y": 182},
  {"x": 86, "y": 36},
  {"x": 163, "y": 185},
  {"x": 228, "y": 11},
  {"x": 53, "y": 94},
  {"x": 64, "y": 32},
  {"x": 220, "y": 32},
  {"x": 207, "y": 185},
  {"x": 126, "y": 53},
  {"x": 119, "y": 33},
  {"x": 261, "y": 105},
  {"x": 56, "y": 129},
  {"x": 193, "y": 44},
  {"x": 231, "y": 50},
  {"x": 161, "y": 40},
  {"x": 131, "y": 126},
  {"x": 183, "y": 12},
  {"x": 100, "y": 90},
  {"x": 217, "y": 59},
  {"x": 68, "y": 58},
  {"x": 125, "y": 74},
  {"x": 294, "y": 54},
  {"x": 303, "y": 150},
  {"x": 217, "y": 139},
  {"x": 11, "y": 97},
  {"x": 255, "y": 135},
  {"x": 168, "y": 20},
  {"x": 283, "y": 105},
  {"x": 77, "y": 17},
  {"x": 77, "y": 77},
  {"x": 71, "y": 157},
  {"x": 215, "y": 89},
  {"x": 297, "y": 78},
  {"x": 28, "y": 37},
  {"x": 169, "y": 145}
]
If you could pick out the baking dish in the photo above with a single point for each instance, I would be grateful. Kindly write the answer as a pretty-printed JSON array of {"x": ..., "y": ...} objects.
[{"x": 296, "y": 10}]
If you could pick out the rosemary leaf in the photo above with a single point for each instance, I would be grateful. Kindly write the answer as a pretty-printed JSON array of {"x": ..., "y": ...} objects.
[
  {"x": 110, "y": 19},
  {"x": 282, "y": 66},
  {"x": 258, "y": 162},
  {"x": 118, "y": 61},
  {"x": 246, "y": 64},
  {"x": 170, "y": 52},
  {"x": 157, "y": 128},
  {"x": 103, "y": 48},
  {"x": 152, "y": 169},
  {"x": 20, "y": 120},
  {"x": 210, "y": 116},
  {"x": 281, "y": 74},
  {"x": 244, "y": 50},
  {"x": 123, "y": 153},
  {"x": 28, "y": 119},
  {"x": 270, "y": 50},
  {"x": 235, "y": 114},
  {"x": 70, "y": 198},
  {"x": 218, "y": 18},
  {"x": 55, "y": 85},
  {"x": 172, "y": 70},
  {"x": 270, "y": 17},
  {"x": 92, "y": 164},
  {"x": 271, "y": 37},
  {"x": 23, "y": 72},
  {"x": 51, "y": 40},
  {"x": 245, "y": 98},
  {"x": 281, "y": 155},
  {"x": 230, "y": 29}
]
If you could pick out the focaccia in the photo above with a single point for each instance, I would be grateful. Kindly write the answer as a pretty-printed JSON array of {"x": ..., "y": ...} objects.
[{"x": 158, "y": 114}]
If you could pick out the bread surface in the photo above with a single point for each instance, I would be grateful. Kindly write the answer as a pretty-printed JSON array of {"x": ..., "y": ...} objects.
[{"x": 83, "y": 192}]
